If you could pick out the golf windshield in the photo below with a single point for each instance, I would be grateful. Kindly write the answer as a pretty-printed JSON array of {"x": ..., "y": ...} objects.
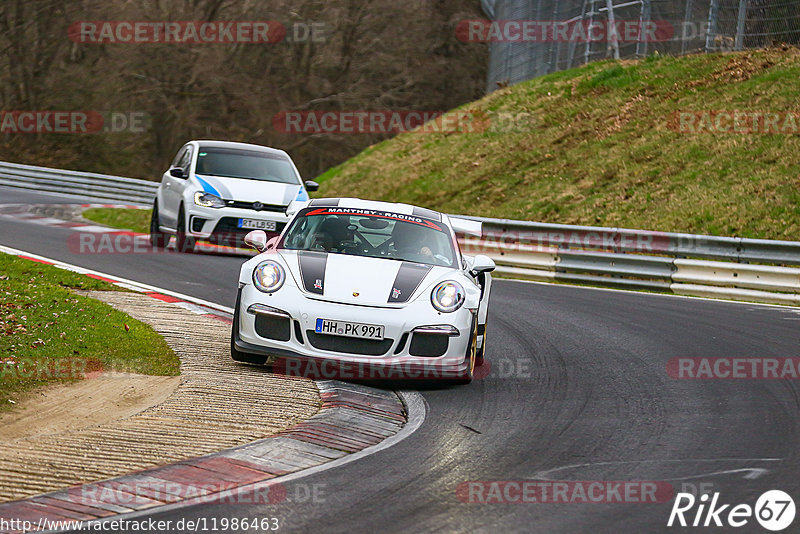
[
  {"x": 371, "y": 233},
  {"x": 248, "y": 164}
]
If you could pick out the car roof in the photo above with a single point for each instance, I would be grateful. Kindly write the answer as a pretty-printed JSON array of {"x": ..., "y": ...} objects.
[
  {"x": 394, "y": 207},
  {"x": 207, "y": 143}
]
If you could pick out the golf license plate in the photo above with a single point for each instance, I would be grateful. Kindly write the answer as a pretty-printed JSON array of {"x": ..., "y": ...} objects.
[
  {"x": 255, "y": 224},
  {"x": 348, "y": 329}
]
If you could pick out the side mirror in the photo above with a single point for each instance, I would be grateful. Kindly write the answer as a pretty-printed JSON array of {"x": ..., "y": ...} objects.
[
  {"x": 311, "y": 185},
  {"x": 257, "y": 239},
  {"x": 177, "y": 172},
  {"x": 483, "y": 264}
]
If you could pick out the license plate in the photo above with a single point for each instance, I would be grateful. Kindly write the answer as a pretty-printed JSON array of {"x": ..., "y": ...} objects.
[
  {"x": 348, "y": 329},
  {"x": 256, "y": 224}
]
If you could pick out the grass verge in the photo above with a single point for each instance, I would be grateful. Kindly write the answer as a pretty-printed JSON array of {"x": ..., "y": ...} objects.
[
  {"x": 49, "y": 333},
  {"x": 601, "y": 145},
  {"x": 127, "y": 219}
]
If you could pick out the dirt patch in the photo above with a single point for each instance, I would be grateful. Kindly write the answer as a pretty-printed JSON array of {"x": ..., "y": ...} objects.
[
  {"x": 743, "y": 66},
  {"x": 68, "y": 407},
  {"x": 116, "y": 429},
  {"x": 617, "y": 121},
  {"x": 740, "y": 68}
]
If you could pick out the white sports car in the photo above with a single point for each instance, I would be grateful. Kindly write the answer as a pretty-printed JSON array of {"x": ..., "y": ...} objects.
[{"x": 363, "y": 289}]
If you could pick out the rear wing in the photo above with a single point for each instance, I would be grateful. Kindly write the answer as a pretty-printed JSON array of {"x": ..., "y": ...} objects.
[{"x": 466, "y": 226}]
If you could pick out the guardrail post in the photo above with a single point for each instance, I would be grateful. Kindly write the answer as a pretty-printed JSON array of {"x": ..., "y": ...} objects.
[{"x": 740, "y": 25}]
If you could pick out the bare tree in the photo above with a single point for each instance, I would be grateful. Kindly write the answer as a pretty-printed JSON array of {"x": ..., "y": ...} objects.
[{"x": 374, "y": 55}]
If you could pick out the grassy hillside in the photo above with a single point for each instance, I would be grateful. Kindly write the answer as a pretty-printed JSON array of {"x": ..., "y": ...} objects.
[{"x": 600, "y": 145}]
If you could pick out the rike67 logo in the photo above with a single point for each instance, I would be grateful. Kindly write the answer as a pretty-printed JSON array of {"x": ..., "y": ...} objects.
[{"x": 774, "y": 510}]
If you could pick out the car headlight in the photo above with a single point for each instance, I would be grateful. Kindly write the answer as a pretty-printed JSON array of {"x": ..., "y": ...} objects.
[
  {"x": 447, "y": 296},
  {"x": 268, "y": 276},
  {"x": 207, "y": 200}
]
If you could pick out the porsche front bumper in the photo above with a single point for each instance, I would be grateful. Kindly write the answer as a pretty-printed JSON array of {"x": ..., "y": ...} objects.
[{"x": 418, "y": 341}]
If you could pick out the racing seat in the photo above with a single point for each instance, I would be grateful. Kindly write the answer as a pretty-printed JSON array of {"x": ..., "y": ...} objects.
[
  {"x": 409, "y": 240},
  {"x": 330, "y": 235}
]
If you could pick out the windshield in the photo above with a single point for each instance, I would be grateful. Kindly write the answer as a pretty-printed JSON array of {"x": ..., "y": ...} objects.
[
  {"x": 371, "y": 233},
  {"x": 248, "y": 164}
]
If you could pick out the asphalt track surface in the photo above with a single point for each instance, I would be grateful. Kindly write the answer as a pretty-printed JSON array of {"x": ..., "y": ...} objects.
[{"x": 578, "y": 390}]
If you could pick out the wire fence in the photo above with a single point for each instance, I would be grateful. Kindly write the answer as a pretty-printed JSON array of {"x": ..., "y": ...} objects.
[{"x": 562, "y": 34}]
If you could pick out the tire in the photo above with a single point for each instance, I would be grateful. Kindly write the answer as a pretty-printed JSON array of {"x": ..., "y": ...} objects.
[
  {"x": 236, "y": 354},
  {"x": 485, "y": 289},
  {"x": 479, "y": 360},
  {"x": 183, "y": 242},
  {"x": 471, "y": 356},
  {"x": 158, "y": 239}
]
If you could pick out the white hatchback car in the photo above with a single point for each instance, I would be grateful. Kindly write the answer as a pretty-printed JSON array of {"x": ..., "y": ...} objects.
[
  {"x": 218, "y": 191},
  {"x": 367, "y": 289}
]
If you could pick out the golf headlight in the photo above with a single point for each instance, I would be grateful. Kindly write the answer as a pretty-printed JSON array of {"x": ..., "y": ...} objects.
[
  {"x": 268, "y": 276},
  {"x": 447, "y": 296},
  {"x": 207, "y": 200}
]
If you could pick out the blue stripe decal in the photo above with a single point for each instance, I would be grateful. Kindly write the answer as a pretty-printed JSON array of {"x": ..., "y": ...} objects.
[
  {"x": 207, "y": 187},
  {"x": 301, "y": 194}
]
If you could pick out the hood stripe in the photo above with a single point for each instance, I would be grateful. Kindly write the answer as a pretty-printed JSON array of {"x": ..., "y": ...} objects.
[
  {"x": 408, "y": 279},
  {"x": 207, "y": 187},
  {"x": 215, "y": 186},
  {"x": 312, "y": 270},
  {"x": 302, "y": 195}
]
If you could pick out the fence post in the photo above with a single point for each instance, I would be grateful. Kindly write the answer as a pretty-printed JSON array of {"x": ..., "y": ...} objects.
[
  {"x": 572, "y": 45},
  {"x": 539, "y": 59},
  {"x": 612, "y": 28},
  {"x": 686, "y": 20},
  {"x": 588, "y": 48},
  {"x": 713, "y": 14},
  {"x": 644, "y": 17},
  {"x": 740, "y": 24},
  {"x": 554, "y": 53}
]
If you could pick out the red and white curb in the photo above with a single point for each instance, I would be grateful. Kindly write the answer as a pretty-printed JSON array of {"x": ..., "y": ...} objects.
[
  {"x": 21, "y": 212},
  {"x": 354, "y": 421}
]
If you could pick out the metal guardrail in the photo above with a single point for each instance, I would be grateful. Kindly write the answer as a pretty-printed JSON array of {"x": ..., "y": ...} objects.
[
  {"x": 685, "y": 264},
  {"x": 562, "y": 236},
  {"x": 85, "y": 184}
]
